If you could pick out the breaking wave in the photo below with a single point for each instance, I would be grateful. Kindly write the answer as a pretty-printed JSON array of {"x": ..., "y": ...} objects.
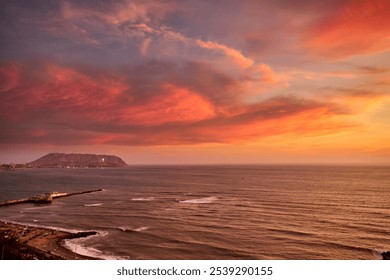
[
  {"x": 78, "y": 246},
  {"x": 133, "y": 229},
  {"x": 93, "y": 204},
  {"x": 209, "y": 199},
  {"x": 143, "y": 199}
]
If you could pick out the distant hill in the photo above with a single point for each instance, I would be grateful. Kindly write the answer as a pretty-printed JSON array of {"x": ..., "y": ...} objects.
[{"x": 61, "y": 160}]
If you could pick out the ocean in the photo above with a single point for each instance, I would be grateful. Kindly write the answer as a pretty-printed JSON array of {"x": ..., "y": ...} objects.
[{"x": 212, "y": 212}]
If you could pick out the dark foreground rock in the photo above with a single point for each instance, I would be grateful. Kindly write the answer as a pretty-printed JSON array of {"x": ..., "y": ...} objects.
[
  {"x": 11, "y": 249},
  {"x": 386, "y": 255},
  {"x": 20, "y": 242}
]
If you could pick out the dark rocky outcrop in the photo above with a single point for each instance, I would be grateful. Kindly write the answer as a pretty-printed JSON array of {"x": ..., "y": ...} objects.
[
  {"x": 81, "y": 234},
  {"x": 61, "y": 160},
  {"x": 11, "y": 249},
  {"x": 14, "y": 243},
  {"x": 386, "y": 255}
]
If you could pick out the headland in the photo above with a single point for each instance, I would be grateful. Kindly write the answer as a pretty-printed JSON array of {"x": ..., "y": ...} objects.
[{"x": 61, "y": 160}]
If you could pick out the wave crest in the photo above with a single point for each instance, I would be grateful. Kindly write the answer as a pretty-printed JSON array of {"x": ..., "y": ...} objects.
[
  {"x": 143, "y": 199},
  {"x": 133, "y": 229},
  {"x": 203, "y": 200},
  {"x": 93, "y": 204}
]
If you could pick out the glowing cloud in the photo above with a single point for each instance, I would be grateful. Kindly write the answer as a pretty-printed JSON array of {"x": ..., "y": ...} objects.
[
  {"x": 234, "y": 54},
  {"x": 359, "y": 28},
  {"x": 208, "y": 75}
]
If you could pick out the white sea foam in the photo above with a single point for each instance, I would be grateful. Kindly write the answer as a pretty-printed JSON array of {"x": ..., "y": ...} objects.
[
  {"x": 79, "y": 249},
  {"x": 93, "y": 204},
  {"x": 141, "y": 229},
  {"x": 203, "y": 200},
  {"x": 37, "y": 208},
  {"x": 126, "y": 228},
  {"x": 78, "y": 246},
  {"x": 143, "y": 198}
]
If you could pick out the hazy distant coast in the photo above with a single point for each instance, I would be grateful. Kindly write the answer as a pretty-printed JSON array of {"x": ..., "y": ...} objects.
[{"x": 61, "y": 160}]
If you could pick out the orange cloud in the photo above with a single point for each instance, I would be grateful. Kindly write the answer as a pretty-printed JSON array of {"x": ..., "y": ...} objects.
[
  {"x": 358, "y": 102},
  {"x": 289, "y": 117},
  {"x": 171, "y": 105},
  {"x": 63, "y": 105},
  {"x": 361, "y": 27},
  {"x": 232, "y": 53}
]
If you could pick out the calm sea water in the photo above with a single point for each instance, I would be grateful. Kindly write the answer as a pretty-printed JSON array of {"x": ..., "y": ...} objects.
[{"x": 213, "y": 212}]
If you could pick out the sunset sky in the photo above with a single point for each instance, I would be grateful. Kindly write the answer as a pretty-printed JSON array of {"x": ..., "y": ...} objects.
[{"x": 165, "y": 82}]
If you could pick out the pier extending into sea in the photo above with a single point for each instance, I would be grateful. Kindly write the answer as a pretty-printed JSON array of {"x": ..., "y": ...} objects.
[{"x": 45, "y": 198}]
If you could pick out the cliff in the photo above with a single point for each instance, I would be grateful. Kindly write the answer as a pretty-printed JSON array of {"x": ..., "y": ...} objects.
[{"x": 61, "y": 160}]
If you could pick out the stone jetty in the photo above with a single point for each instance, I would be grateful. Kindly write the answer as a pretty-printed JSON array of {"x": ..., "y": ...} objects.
[{"x": 45, "y": 198}]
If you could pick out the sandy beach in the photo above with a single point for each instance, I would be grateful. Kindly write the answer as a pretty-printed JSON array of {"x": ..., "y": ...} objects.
[{"x": 21, "y": 242}]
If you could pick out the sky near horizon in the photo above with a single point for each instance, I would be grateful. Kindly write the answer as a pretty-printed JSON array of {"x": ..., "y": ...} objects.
[{"x": 156, "y": 82}]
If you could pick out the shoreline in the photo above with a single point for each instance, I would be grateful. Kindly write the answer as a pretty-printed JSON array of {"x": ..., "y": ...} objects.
[{"x": 25, "y": 242}]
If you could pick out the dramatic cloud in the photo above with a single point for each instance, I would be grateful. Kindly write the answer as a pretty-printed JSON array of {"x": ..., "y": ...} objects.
[
  {"x": 153, "y": 73},
  {"x": 55, "y": 104},
  {"x": 358, "y": 28}
]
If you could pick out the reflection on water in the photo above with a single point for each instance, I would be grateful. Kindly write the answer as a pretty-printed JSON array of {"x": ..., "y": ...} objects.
[{"x": 213, "y": 212}]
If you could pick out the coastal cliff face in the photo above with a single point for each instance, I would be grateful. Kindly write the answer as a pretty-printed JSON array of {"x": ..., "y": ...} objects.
[{"x": 78, "y": 160}]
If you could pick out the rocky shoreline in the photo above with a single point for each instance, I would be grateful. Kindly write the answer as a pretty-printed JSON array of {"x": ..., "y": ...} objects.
[{"x": 21, "y": 242}]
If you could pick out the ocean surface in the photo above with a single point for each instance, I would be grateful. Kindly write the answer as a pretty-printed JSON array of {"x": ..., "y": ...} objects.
[{"x": 212, "y": 212}]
